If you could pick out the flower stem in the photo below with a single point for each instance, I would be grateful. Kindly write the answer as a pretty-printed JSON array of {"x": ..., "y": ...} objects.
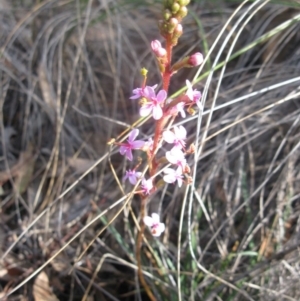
[
  {"x": 138, "y": 250},
  {"x": 167, "y": 74},
  {"x": 160, "y": 124}
]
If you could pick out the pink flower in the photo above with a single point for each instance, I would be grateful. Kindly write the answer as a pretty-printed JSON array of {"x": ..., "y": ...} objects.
[
  {"x": 193, "y": 95},
  {"x": 154, "y": 224},
  {"x": 196, "y": 59},
  {"x": 177, "y": 138},
  {"x": 146, "y": 186},
  {"x": 127, "y": 147},
  {"x": 154, "y": 103},
  {"x": 157, "y": 49},
  {"x": 133, "y": 176},
  {"x": 140, "y": 92},
  {"x": 173, "y": 176},
  {"x": 180, "y": 109},
  {"x": 176, "y": 156}
]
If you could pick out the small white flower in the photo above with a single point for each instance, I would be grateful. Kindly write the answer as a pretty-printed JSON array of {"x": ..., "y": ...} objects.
[{"x": 153, "y": 223}]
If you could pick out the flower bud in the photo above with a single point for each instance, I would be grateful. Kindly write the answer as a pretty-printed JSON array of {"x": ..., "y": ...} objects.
[
  {"x": 183, "y": 2},
  {"x": 175, "y": 8},
  {"x": 163, "y": 28},
  {"x": 176, "y": 34},
  {"x": 178, "y": 31},
  {"x": 187, "y": 169},
  {"x": 196, "y": 59},
  {"x": 173, "y": 22},
  {"x": 191, "y": 149},
  {"x": 167, "y": 14},
  {"x": 182, "y": 12},
  {"x": 157, "y": 49},
  {"x": 155, "y": 45},
  {"x": 189, "y": 180}
]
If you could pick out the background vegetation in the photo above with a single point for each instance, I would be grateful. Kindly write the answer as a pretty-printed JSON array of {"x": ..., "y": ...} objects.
[{"x": 67, "y": 69}]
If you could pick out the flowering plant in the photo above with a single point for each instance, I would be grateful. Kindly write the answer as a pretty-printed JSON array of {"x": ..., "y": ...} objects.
[{"x": 163, "y": 110}]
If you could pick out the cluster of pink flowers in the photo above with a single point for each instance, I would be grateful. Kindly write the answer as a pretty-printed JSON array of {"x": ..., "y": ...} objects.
[{"x": 159, "y": 106}]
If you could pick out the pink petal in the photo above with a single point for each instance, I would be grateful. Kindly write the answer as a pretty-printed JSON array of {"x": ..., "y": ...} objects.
[
  {"x": 169, "y": 178},
  {"x": 148, "y": 221},
  {"x": 132, "y": 179},
  {"x": 161, "y": 96},
  {"x": 180, "y": 132},
  {"x": 189, "y": 93},
  {"x": 180, "y": 109},
  {"x": 171, "y": 158},
  {"x": 179, "y": 181},
  {"x": 133, "y": 134},
  {"x": 123, "y": 150},
  {"x": 129, "y": 154},
  {"x": 178, "y": 171},
  {"x": 188, "y": 84},
  {"x": 145, "y": 110},
  {"x": 157, "y": 112},
  {"x": 137, "y": 144},
  {"x": 169, "y": 136},
  {"x": 157, "y": 231},
  {"x": 136, "y": 96},
  {"x": 169, "y": 171},
  {"x": 149, "y": 92},
  {"x": 155, "y": 217}
]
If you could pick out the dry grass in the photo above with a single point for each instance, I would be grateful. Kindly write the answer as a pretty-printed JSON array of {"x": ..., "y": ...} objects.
[{"x": 68, "y": 228}]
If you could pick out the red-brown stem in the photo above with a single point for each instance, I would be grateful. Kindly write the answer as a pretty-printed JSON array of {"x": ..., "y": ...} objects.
[
  {"x": 138, "y": 250},
  {"x": 167, "y": 74},
  {"x": 160, "y": 124}
]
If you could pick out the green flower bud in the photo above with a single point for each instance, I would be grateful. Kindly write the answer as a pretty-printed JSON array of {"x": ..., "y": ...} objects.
[
  {"x": 167, "y": 14},
  {"x": 173, "y": 22},
  {"x": 182, "y": 12},
  {"x": 176, "y": 34},
  {"x": 175, "y": 8},
  {"x": 184, "y": 2},
  {"x": 178, "y": 31}
]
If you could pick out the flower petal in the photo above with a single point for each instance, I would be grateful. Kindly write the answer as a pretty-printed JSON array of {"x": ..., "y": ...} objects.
[
  {"x": 146, "y": 109},
  {"x": 157, "y": 231},
  {"x": 157, "y": 112},
  {"x": 133, "y": 134},
  {"x": 129, "y": 154},
  {"x": 137, "y": 144},
  {"x": 123, "y": 150},
  {"x": 149, "y": 92},
  {"x": 148, "y": 221},
  {"x": 155, "y": 217},
  {"x": 180, "y": 132},
  {"x": 169, "y": 171},
  {"x": 161, "y": 96},
  {"x": 169, "y": 136},
  {"x": 132, "y": 179},
  {"x": 179, "y": 181},
  {"x": 169, "y": 178}
]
